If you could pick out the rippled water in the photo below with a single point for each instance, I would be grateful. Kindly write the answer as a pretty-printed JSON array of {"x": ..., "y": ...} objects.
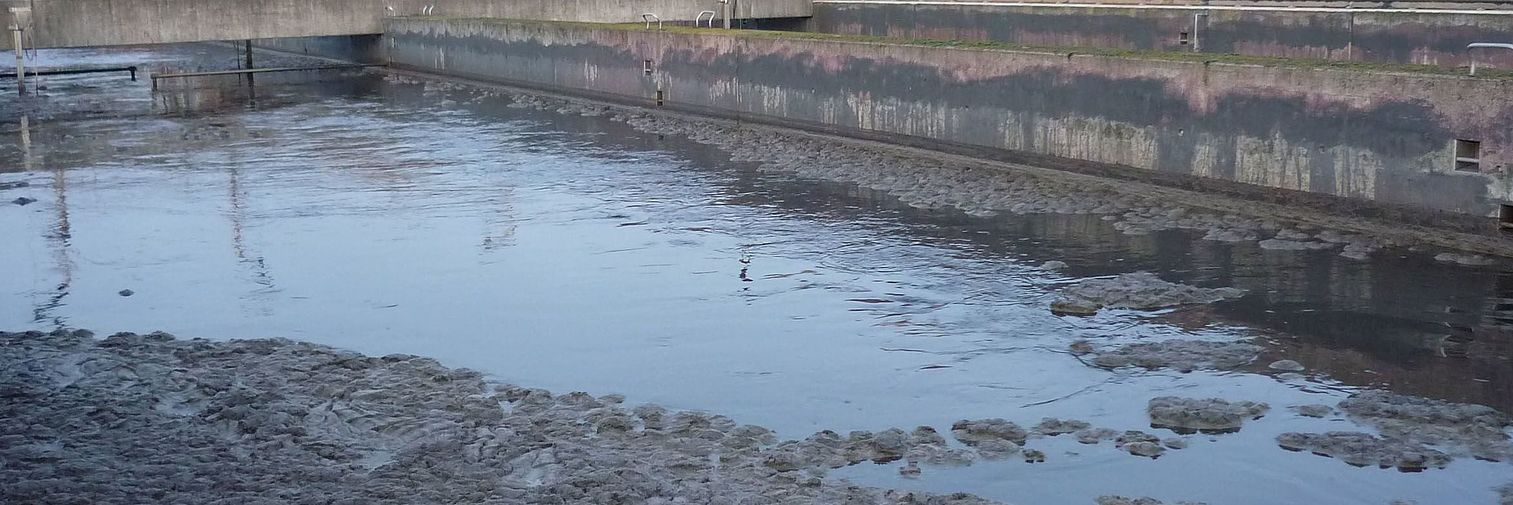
[{"x": 576, "y": 253}]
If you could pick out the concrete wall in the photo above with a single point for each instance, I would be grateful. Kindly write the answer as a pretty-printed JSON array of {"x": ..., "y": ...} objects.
[
  {"x": 354, "y": 48},
  {"x": 1376, "y": 35},
  {"x": 1381, "y": 137},
  {"x": 81, "y": 23}
]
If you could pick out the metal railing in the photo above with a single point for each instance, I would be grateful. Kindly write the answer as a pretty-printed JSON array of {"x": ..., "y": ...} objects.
[
  {"x": 700, "y": 18},
  {"x": 1483, "y": 45},
  {"x": 649, "y": 17},
  {"x": 72, "y": 71}
]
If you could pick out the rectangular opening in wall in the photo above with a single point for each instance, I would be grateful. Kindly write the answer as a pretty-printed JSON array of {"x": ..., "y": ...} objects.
[
  {"x": 1505, "y": 216},
  {"x": 659, "y": 98},
  {"x": 1468, "y": 155},
  {"x": 1183, "y": 38},
  {"x": 646, "y": 67}
]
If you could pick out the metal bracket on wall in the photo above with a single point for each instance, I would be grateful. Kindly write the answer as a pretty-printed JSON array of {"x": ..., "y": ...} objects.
[
  {"x": 649, "y": 17},
  {"x": 697, "y": 20}
]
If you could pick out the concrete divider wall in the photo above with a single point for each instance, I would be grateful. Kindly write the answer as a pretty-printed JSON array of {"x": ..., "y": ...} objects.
[
  {"x": 1406, "y": 36},
  {"x": 1379, "y": 137},
  {"x": 83, "y": 23}
]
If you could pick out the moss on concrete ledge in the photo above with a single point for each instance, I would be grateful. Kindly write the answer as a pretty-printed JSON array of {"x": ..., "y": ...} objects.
[{"x": 1175, "y": 56}]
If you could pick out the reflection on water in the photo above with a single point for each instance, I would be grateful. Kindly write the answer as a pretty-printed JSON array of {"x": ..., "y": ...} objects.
[{"x": 577, "y": 254}]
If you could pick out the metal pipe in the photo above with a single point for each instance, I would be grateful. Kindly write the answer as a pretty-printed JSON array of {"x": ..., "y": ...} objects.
[
  {"x": 1484, "y": 45},
  {"x": 700, "y": 18},
  {"x": 649, "y": 17},
  {"x": 20, "y": 58},
  {"x": 725, "y": 6},
  {"x": 1198, "y": 30}
]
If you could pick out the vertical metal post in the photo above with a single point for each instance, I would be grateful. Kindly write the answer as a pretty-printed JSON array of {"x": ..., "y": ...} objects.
[
  {"x": 20, "y": 58},
  {"x": 727, "y": 9},
  {"x": 248, "y": 46}
]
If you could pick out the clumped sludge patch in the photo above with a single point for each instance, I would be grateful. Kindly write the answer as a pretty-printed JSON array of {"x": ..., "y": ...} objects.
[
  {"x": 1121, "y": 500},
  {"x": 1208, "y": 415},
  {"x": 195, "y": 421},
  {"x": 1137, "y": 290},
  {"x": 1414, "y": 433},
  {"x": 136, "y": 418},
  {"x": 1179, "y": 354}
]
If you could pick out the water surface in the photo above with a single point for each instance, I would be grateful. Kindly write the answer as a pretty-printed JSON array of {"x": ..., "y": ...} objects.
[{"x": 575, "y": 253}]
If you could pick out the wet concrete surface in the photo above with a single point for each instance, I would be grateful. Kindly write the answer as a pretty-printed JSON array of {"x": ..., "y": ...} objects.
[{"x": 578, "y": 253}]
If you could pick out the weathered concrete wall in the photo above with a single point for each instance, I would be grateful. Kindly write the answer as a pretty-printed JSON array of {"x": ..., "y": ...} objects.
[
  {"x": 1380, "y": 137},
  {"x": 1376, "y": 35},
  {"x": 354, "y": 48},
  {"x": 81, "y": 23}
]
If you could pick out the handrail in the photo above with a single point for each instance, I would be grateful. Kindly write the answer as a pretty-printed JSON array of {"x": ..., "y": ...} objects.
[
  {"x": 648, "y": 17},
  {"x": 1085, "y": 4},
  {"x": 1484, "y": 45},
  {"x": 350, "y": 66},
  {"x": 700, "y": 18},
  {"x": 71, "y": 71}
]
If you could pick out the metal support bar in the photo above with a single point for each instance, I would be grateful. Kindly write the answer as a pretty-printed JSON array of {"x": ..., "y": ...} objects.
[
  {"x": 649, "y": 17},
  {"x": 697, "y": 20},
  {"x": 155, "y": 77},
  {"x": 71, "y": 71},
  {"x": 1484, "y": 45},
  {"x": 725, "y": 7}
]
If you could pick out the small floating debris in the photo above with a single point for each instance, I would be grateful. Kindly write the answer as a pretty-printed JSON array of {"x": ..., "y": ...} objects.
[
  {"x": 1312, "y": 410},
  {"x": 1470, "y": 260},
  {"x": 1286, "y": 365}
]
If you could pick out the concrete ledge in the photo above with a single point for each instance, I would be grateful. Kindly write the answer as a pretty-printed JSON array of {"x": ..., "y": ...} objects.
[
  {"x": 83, "y": 23},
  {"x": 1398, "y": 35}
]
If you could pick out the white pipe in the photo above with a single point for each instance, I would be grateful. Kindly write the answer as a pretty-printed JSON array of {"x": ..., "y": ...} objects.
[
  {"x": 20, "y": 59},
  {"x": 1484, "y": 45},
  {"x": 1249, "y": 8}
]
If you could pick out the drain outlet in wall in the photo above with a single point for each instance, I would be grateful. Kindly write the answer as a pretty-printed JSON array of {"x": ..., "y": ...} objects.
[{"x": 1468, "y": 155}]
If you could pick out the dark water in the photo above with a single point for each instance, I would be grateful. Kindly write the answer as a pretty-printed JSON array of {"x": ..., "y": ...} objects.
[{"x": 576, "y": 253}]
